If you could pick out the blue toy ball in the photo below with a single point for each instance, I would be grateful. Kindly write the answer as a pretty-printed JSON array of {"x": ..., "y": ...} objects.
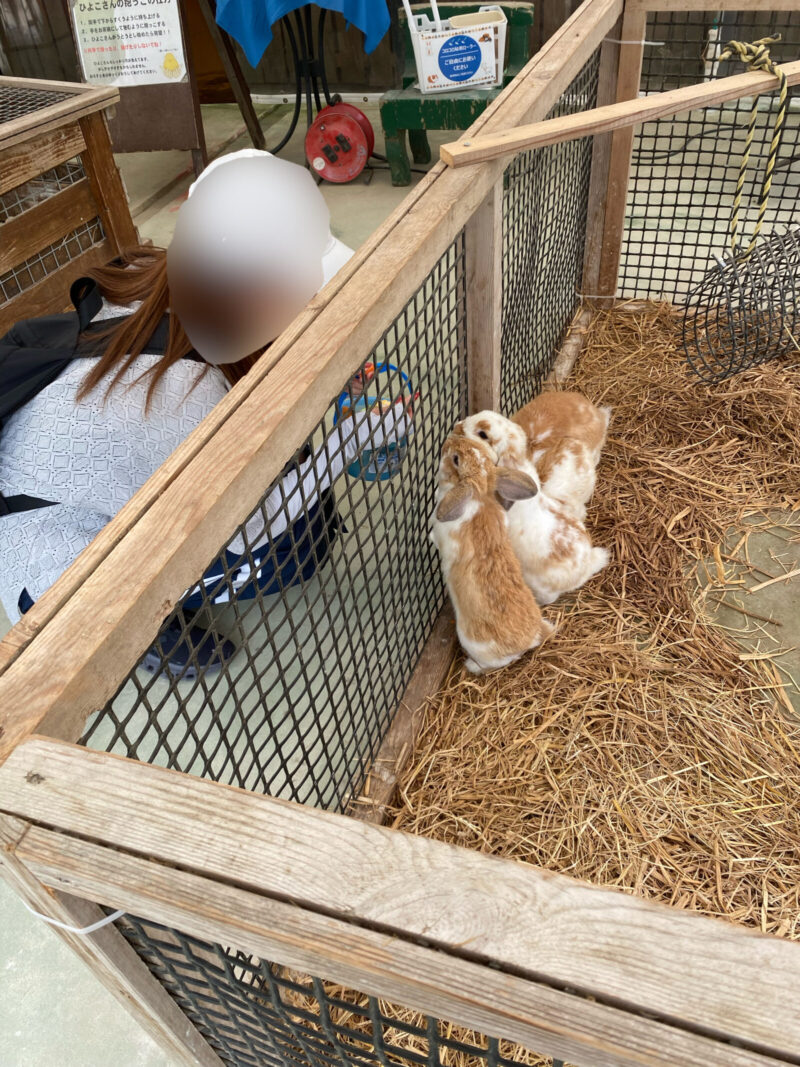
[{"x": 376, "y": 464}]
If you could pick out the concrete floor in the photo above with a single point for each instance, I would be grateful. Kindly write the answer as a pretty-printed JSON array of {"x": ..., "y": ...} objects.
[{"x": 53, "y": 1012}]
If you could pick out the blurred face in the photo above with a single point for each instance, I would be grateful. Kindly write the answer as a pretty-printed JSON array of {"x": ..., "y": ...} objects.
[
  {"x": 225, "y": 322},
  {"x": 246, "y": 256}
]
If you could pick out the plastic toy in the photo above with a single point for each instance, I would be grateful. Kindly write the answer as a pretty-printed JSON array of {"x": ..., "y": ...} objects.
[{"x": 380, "y": 463}]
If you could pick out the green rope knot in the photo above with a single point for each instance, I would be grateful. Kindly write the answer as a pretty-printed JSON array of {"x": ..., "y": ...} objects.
[{"x": 756, "y": 57}]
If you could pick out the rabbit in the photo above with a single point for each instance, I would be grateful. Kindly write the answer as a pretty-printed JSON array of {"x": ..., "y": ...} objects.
[
  {"x": 553, "y": 547},
  {"x": 555, "y": 550},
  {"x": 497, "y": 617},
  {"x": 540, "y": 438}
]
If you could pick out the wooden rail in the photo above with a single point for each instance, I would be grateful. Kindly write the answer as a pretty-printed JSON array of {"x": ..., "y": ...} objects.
[
  {"x": 586, "y": 974},
  {"x": 471, "y": 150}
]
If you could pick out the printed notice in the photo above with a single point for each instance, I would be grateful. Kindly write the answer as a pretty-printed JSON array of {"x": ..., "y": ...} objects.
[{"x": 129, "y": 42}]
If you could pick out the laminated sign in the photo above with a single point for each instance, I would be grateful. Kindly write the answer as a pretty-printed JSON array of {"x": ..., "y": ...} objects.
[{"x": 129, "y": 42}]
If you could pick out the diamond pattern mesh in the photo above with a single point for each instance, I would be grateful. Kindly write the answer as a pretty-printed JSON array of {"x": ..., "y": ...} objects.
[
  {"x": 684, "y": 169},
  {"x": 256, "y": 1014},
  {"x": 544, "y": 226},
  {"x": 16, "y": 101},
  {"x": 40, "y": 188},
  {"x": 280, "y": 670},
  {"x": 57, "y": 255}
]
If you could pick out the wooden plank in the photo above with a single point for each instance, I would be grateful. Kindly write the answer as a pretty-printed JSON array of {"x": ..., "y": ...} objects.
[
  {"x": 634, "y": 24},
  {"x": 601, "y": 159},
  {"x": 108, "y": 955},
  {"x": 714, "y": 5},
  {"x": 106, "y": 183},
  {"x": 42, "y": 225},
  {"x": 400, "y": 742},
  {"x": 572, "y": 346},
  {"x": 83, "y": 101},
  {"x": 25, "y": 161},
  {"x": 673, "y": 964},
  {"x": 52, "y": 293},
  {"x": 619, "y": 116},
  {"x": 262, "y": 421},
  {"x": 440, "y": 980},
  {"x": 484, "y": 250}
]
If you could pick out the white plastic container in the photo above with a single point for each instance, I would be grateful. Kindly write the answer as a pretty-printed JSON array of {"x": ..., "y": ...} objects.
[{"x": 460, "y": 52}]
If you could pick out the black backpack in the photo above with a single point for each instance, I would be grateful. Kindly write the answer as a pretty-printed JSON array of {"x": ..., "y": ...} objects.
[{"x": 36, "y": 351}]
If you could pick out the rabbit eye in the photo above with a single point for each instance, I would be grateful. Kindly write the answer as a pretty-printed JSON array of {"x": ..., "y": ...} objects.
[
  {"x": 455, "y": 461},
  {"x": 483, "y": 435}
]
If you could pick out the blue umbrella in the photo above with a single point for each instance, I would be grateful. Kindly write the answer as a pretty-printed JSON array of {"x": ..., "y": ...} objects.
[{"x": 250, "y": 21}]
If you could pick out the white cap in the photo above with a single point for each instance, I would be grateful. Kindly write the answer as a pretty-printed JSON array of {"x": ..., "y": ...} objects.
[{"x": 336, "y": 253}]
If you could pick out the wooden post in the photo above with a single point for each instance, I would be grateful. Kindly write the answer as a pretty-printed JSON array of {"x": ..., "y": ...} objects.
[
  {"x": 484, "y": 249},
  {"x": 601, "y": 158},
  {"x": 634, "y": 23},
  {"x": 106, "y": 183},
  {"x": 233, "y": 72},
  {"x": 108, "y": 955}
]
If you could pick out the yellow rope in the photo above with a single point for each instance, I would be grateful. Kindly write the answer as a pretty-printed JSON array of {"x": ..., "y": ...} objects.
[{"x": 756, "y": 56}]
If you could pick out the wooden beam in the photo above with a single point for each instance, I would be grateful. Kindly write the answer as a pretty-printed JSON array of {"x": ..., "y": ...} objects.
[
  {"x": 106, "y": 183},
  {"x": 483, "y": 238},
  {"x": 714, "y": 5},
  {"x": 619, "y": 116},
  {"x": 171, "y": 528},
  {"x": 400, "y": 742},
  {"x": 634, "y": 24},
  {"x": 674, "y": 965},
  {"x": 601, "y": 159},
  {"x": 233, "y": 72},
  {"x": 439, "y": 980},
  {"x": 108, "y": 955},
  {"x": 40, "y": 226},
  {"x": 25, "y": 161}
]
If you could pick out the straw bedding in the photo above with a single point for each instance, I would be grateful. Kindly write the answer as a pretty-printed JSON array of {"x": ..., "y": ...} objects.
[{"x": 637, "y": 749}]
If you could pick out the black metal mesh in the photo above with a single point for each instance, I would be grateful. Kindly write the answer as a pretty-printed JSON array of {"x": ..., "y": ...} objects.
[
  {"x": 745, "y": 311},
  {"x": 47, "y": 261},
  {"x": 684, "y": 169},
  {"x": 544, "y": 228},
  {"x": 317, "y": 651},
  {"x": 255, "y": 1014},
  {"x": 16, "y": 101},
  {"x": 42, "y": 187}
]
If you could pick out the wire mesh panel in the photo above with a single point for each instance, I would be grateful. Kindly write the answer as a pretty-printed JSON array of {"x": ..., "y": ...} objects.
[
  {"x": 16, "y": 101},
  {"x": 684, "y": 169},
  {"x": 256, "y": 1014},
  {"x": 50, "y": 259},
  {"x": 544, "y": 228},
  {"x": 280, "y": 670},
  {"x": 40, "y": 188}
]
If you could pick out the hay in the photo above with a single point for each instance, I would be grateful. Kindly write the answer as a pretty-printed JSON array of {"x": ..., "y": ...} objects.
[{"x": 636, "y": 749}]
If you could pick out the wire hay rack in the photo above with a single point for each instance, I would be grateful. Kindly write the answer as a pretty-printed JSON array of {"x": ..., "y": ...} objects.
[{"x": 747, "y": 311}]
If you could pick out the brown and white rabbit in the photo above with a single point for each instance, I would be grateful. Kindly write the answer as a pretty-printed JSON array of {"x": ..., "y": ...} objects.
[
  {"x": 497, "y": 617},
  {"x": 561, "y": 438}
]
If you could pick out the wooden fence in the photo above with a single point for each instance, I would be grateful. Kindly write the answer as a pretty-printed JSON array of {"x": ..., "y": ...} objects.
[{"x": 592, "y": 976}]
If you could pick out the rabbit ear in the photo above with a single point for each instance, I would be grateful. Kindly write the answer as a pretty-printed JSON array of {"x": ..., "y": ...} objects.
[
  {"x": 513, "y": 485},
  {"x": 454, "y": 504}
]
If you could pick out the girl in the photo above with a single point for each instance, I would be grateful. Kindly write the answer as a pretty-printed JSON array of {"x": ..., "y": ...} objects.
[{"x": 251, "y": 246}]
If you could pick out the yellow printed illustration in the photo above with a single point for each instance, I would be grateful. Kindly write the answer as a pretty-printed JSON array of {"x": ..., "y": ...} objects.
[{"x": 171, "y": 66}]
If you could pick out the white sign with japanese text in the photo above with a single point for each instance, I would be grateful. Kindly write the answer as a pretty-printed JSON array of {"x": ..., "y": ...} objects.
[{"x": 129, "y": 42}]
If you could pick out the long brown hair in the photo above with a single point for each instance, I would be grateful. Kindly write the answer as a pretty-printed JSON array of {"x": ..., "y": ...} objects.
[{"x": 140, "y": 274}]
